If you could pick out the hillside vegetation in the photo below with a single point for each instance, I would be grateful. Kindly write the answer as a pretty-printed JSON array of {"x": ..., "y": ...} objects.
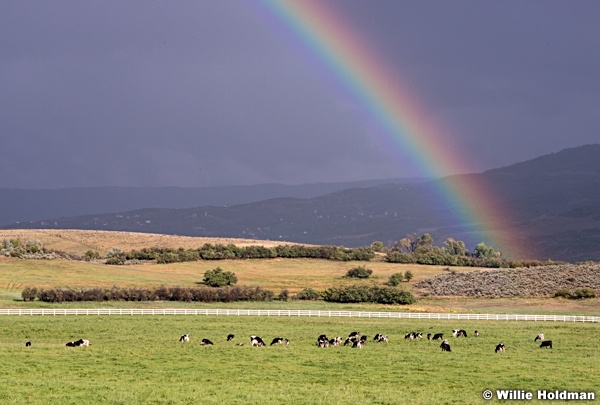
[{"x": 543, "y": 281}]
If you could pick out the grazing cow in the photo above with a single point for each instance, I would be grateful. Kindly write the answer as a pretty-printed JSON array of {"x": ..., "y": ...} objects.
[
  {"x": 445, "y": 346},
  {"x": 364, "y": 338},
  {"x": 380, "y": 338},
  {"x": 499, "y": 347},
  {"x": 350, "y": 341},
  {"x": 438, "y": 336},
  {"x": 286, "y": 342},
  {"x": 459, "y": 332},
  {"x": 476, "y": 333},
  {"x": 322, "y": 341},
  {"x": 184, "y": 338},
  {"x": 256, "y": 341},
  {"x": 413, "y": 335},
  {"x": 354, "y": 334},
  {"x": 27, "y": 344},
  {"x": 546, "y": 343},
  {"x": 277, "y": 341},
  {"x": 429, "y": 336},
  {"x": 358, "y": 344},
  {"x": 230, "y": 337},
  {"x": 206, "y": 342},
  {"x": 336, "y": 341},
  {"x": 539, "y": 337}
]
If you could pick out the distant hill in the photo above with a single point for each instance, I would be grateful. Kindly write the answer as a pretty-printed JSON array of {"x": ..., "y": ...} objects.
[
  {"x": 22, "y": 205},
  {"x": 555, "y": 200}
]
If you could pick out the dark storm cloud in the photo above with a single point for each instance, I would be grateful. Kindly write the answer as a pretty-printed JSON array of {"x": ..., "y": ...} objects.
[{"x": 213, "y": 92}]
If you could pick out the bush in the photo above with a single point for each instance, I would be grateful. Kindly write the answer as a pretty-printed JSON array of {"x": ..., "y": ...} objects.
[
  {"x": 284, "y": 295},
  {"x": 395, "y": 279},
  {"x": 308, "y": 294},
  {"x": 219, "y": 278},
  {"x": 380, "y": 295},
  {"x": 583, "y": 293},
  {"x": 408, "y": 275},
  {"x": 359, "y": 272},
  {"x": 563, "y": 292}
]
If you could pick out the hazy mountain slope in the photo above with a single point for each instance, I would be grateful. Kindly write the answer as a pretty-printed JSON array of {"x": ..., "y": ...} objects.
[
  {"x": 20, "y": 205},
  {"x": 555, "y": 200}
]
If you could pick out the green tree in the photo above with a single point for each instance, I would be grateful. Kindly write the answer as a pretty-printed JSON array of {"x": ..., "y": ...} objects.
[
  {"x": 424, "y": 243},
  {"x": 455, "y": 247},
  {"x": 219, "y": 278},
  {"x": 408, "y": 275},
  {"x": 484, "y": 252}
]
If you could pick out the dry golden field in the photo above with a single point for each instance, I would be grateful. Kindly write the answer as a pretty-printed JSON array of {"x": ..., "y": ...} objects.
[
  {"x": 274, "y": 274},
  {"x": 80, "y": 241}
]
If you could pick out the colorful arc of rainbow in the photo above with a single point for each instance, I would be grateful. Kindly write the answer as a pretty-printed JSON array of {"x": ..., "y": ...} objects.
[{"x": 396, "y": 108}]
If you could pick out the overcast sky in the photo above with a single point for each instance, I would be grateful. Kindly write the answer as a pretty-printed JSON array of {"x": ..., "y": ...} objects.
[{"x": 205, "y": 92}]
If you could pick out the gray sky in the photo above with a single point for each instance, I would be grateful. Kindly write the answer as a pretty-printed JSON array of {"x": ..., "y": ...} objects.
[{"x": 203, "y": 92}]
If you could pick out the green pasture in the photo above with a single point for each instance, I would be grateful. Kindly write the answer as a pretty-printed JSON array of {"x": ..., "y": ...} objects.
[{"x": 138, "y": 359}]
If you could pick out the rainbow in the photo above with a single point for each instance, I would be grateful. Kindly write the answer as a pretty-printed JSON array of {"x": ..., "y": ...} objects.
[{"x": 394, "y": 106}]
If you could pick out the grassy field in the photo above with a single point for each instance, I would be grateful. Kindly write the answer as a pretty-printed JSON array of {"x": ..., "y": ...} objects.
[
  {"x": 139, "y": 360},
  {"x": 274, "y": 274}
]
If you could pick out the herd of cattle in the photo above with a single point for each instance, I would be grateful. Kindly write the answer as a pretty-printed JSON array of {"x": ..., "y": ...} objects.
[
  {"x": 354, "y": 339},
  {"x": 357, "y": 341}
]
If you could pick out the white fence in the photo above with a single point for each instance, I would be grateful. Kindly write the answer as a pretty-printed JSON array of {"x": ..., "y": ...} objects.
[{"x": 284, "y": 312}]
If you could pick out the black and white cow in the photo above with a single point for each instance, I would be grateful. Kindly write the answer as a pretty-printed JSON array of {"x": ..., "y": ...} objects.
[
  {"x": 27, "y": 344},
  {"x": 546, "y": 343},
  {"x": 358, "y": 344},
  {"x": 277, "y": 341},
  {"x": 459, "y": 333},
  {"x": 350, "y": 341},
  {"x": 437, "y": 336},
  {"x": 336, "y": 341},
  {"x": 322, "y": 341},
  {"x": 206, "y": 342},
  {"x": 230, "y": 337},
  {"x": 184, "y": 338},
  {"x": 413, "y": 335},
  {"x": 476, "y": 333},
  {"x": 539, "y": 337},
  {"x": 445, "y": 346},
  {"x": 499, "y": 347},
  {"x": 256, "y": 341},
  {"x": 380, "y": 338},
  {"x": 80, "y": 342}
]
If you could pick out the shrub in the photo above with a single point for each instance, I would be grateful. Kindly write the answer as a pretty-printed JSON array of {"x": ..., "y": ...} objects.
[
  {"x": 219, "y": 278},
  {"x": 400, "y": 257},
  {"x": 395, "y": 279},
  {"x": 380, "y": 295},
  {"x": 408, "y": 275},
  {"x": 583, "y": 293},
  {"x": 359, "y": 272},
  {"x": 563, "y": 292},
  {"x": 91, "y": 255},
  {"x": 308, "y": 294},
  {"x": 284, "y": 295}
]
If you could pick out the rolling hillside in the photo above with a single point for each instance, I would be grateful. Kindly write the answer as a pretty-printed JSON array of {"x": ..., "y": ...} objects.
[{"x": 554, "y": 200}]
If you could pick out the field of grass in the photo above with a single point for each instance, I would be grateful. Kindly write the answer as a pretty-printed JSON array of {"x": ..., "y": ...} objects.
[
  {"x": 273, "y": 274},
  {"x": 138, "y": 359}
]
